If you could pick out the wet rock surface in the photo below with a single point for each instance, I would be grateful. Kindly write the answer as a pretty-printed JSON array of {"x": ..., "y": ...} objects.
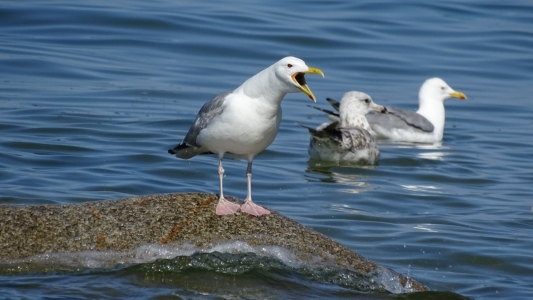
[{"x": 122, "y": 225}]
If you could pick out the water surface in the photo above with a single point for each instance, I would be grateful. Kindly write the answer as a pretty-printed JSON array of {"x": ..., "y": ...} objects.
[{"x": 93, "y": 93}]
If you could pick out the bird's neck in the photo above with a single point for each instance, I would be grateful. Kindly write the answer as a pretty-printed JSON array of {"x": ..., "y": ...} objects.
[
  {"x": 433, "y": 112},
  {"x": 265, "y": 86},
  {"x": 350, "y": 121}
]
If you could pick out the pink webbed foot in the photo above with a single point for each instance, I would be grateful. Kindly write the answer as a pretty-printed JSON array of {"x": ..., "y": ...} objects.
[
  {"x": 253, "y": 209},
  {"x": 224, "y": 207}
]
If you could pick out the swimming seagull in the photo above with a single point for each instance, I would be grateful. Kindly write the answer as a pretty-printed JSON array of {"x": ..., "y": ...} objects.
[
  {"x": 244, "y": 122},
  {"x": 349, "y": 139},
  {"x": 426, "y": 125}
]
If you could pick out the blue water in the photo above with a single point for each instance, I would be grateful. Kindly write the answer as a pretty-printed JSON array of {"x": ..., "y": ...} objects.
[{"x": 93, "y": 93}]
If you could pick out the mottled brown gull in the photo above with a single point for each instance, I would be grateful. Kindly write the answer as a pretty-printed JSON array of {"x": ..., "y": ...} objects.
[{"x": 349, "y": 139}]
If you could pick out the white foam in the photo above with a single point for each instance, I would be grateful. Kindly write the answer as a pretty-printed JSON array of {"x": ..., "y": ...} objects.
[
  {"x": 151, "y": 252},
  {"x": 391, "y": 281}
]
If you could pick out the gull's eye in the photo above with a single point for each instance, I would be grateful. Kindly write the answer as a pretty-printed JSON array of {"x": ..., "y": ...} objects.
[
  {"x": 442, "y": 88},
  {"x": 289, "y": 66},
  {"x": 367, "y": 101}
]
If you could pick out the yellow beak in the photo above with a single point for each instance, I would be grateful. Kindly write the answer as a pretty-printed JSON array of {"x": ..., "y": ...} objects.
[
  {"x": 299, "y": 79},
  {"x": 458, "y": 95}
]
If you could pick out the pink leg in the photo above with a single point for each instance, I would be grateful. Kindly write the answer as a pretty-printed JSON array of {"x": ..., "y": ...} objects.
[
  {"x": 249, "y": 206},
  {"x": 224, "y": 207}
]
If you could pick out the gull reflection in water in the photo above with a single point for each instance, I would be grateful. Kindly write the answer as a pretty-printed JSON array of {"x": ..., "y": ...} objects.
[
  {"x": 439, "y": 154},
  {"x": 349, "y": 177},
  {"x": 433, "y": 155}
]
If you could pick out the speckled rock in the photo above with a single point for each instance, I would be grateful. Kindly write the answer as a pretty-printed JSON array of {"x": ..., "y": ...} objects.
[{"x": 125, "y": 224}]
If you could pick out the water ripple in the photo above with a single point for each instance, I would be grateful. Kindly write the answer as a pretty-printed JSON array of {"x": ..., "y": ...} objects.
[{"x": 94, "y": 93}]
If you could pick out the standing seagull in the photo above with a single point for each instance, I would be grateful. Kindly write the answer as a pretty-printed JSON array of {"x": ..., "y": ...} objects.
[
  {"x": 426, "y": 125},
  {"x": 244, "y": 122},
  {"x": 349, "y": 139}
]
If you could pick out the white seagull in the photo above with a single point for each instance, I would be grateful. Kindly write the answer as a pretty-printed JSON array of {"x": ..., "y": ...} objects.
[
  {"x": 426, "y": 125},
  {"x": 244, "y": 122},
  {"x": 349, "y": 139}
]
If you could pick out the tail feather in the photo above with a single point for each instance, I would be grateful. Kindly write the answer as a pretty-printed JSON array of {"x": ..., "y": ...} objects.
[
  {"x": 186, "y": 151},
  {"x": 328, "y": 112},
  {"x": 336, "y": 104},
  {"x": 311, "y": 130}
]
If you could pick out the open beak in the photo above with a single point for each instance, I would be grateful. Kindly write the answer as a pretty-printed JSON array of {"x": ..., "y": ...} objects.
[
  {"x": 299, "y": 79},
  {"x": 458, "y": 95}
]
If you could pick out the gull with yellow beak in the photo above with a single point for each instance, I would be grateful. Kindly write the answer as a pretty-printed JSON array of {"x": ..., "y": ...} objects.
[
  {"x": 244, "y": 122},
  {"x": 426, "y": 125}
]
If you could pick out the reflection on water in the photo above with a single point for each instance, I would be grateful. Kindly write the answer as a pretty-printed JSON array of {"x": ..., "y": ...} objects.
[
  {"x": 432, "y": 155},
  {"x": 425, "y": 227},
  {"x": 436, "y": 155},
  {"x": 432, "y": 146},
  {"x": 344, "y": 175},
  {"x": 422, "y": 188},
  {"x": 346, "y": 209}
]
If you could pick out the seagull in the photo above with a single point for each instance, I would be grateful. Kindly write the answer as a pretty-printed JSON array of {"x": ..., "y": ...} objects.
[
  {"x": 244, "y": 122},
  {"x": 349, "y": 139},
  {"x": 426, "y": 125}
]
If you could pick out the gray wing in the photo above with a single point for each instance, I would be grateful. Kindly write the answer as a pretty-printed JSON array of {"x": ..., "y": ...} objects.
[
  {"x": 401, "y": 119},
  {"x": 189, "y": 147},
  {"x": 207, "y": 113}
]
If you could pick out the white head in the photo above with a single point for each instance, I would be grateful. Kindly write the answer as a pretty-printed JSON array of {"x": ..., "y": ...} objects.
[
  {"x": 431, "y": 99},
  {"x": 353, "y": 108},
  {"x": 291, "y": 70},
  {"x": 273, "y": 83},
  {"x": 435, "y": 89}
]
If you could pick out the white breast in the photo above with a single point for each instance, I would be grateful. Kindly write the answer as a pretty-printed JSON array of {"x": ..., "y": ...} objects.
[{"x": 246, "y": 126}]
